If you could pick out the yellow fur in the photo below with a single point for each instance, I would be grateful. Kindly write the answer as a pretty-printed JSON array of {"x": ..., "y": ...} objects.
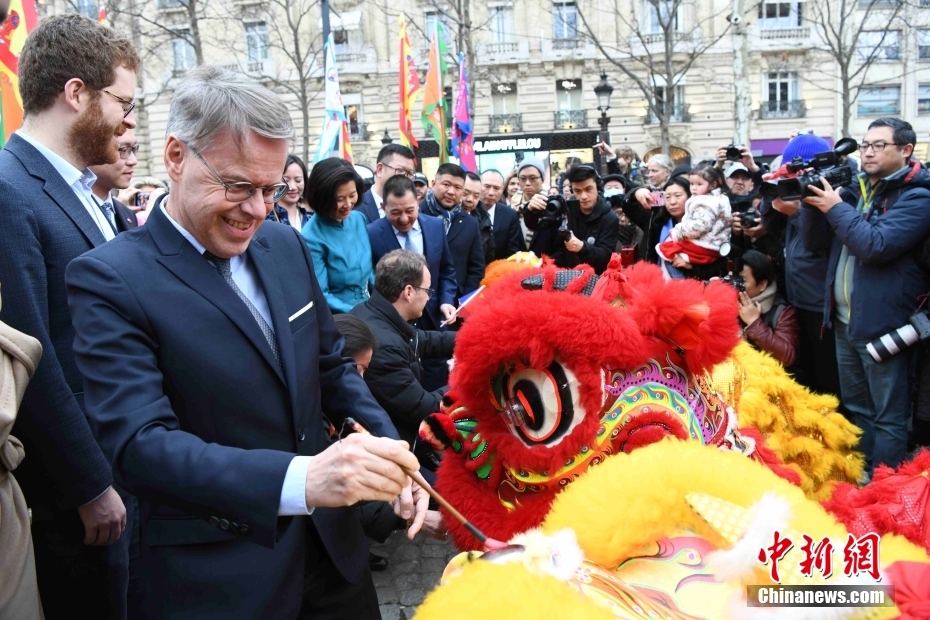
[{"x": 801, "y": 427}]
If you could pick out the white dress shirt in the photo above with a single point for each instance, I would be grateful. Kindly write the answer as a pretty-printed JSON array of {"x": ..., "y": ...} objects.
[
  {"x": 491, "y": 211},
  {"x": 416, "y": 236},
  {"x": 293, "y": 491},
  {"x": 379, "y": 202},
  {"x": 79, "y": 182}
]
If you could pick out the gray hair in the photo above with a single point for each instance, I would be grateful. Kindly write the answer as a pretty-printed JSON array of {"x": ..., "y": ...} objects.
[
  {"x": 210, "y": 99},
  {"x": 663, "y": 160}
]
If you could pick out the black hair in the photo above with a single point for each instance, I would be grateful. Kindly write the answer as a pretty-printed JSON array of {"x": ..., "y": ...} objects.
[
  {"x": 389, "y": 150},
  {"x": 452, "y": 170},
  {"x": 582, "y": 172},
  {"x": 709, "y": 173},
  {"x": 293, "y": 159},
  {"x": 398, "y": 186},
  {"x": 681, "y": 182},
  {"x": 327, "y": 175},
  {"x": 903, "y": 132},
  {"x": 396, "y": 271},
  {"x": 495, "y": 171},
  {"x": 357, "y": 334},
  {"x": 760, "y": 265},
  {"x": 471, "y": 176}
]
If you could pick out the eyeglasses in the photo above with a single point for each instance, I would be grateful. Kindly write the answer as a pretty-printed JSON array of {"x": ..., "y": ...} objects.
[
  {"x": 397, "y": 171},
  {"x": 128, "y": 106},
  {"x": 429, "y": 292},
  {"x": 526, "y": 180},
  {"x": 878, "y": 147},
  {"x": 240, "y": 192},
  {"x": 125, "y": 152}
]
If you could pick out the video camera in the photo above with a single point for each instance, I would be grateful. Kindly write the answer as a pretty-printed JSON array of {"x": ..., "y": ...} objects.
[
  {"x": 789, "y": 182},
  {"x": 556, "y": 216}
]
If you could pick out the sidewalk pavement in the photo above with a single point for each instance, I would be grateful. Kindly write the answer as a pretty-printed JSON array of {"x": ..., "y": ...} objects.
[{"x": 414, "y": 570}]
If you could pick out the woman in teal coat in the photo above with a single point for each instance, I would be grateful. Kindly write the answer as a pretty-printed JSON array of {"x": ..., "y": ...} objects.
[{"x": 338, "y": 236}]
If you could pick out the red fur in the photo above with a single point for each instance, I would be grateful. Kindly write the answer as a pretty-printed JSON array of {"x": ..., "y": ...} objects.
[
  {"x": 896, "y": 502},
  {"x": 768, "y": 457}
]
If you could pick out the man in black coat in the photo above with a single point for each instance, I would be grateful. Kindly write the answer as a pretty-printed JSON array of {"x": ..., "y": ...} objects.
[
  {"x": 592, "y": 235},
  {"x": 394, "y": 376},
  {"x": 471, "y": 203},
  {"x": 444, "y": 200},
  {"x": 505, "y": 222}
]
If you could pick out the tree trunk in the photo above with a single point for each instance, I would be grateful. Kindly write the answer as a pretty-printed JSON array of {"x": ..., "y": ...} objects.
[
  {"x": 743, "y": 108},
  {"x": 195, "y": 31},
  {"x": 847, "y": 102}
]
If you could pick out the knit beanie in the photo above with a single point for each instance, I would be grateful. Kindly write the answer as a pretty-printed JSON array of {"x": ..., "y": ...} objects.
[
  {"x": 805, "y": 146},
  {"x": 535, "y": 162}
]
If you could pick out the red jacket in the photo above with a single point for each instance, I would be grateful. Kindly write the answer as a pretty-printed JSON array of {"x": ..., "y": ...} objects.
[{"x": 781, "y": 342}]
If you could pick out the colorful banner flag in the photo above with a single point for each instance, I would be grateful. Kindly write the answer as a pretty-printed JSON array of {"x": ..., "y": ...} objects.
[
  {"x": 21, "y": 21},
  {"x": 434, "y": 102},
  {"x": 102, "y": 15},
  {"x": 463, "y": 140},
  {"x": 409, "y": 87},
  {"x": 334, "y": 138}
]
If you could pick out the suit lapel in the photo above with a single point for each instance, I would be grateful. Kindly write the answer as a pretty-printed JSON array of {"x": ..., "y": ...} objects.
[
  {"x": 261, "y": 257},
  {"x": 457, "y": 226},
  {"x": 56, "y": 189},
  {"x": 390, "y": 239},
  {"x": 181, "y": 259}
]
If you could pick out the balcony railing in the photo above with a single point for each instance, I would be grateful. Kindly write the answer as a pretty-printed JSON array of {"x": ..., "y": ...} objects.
[
  {"x": 678, "y": 114},
  {"x": 567, "y": 44},
  {"x": 570, "y": 119},
  {"x": 782, "y": 109},
  {"x": 506, "y": 123},
  {"x": 659, "y": 37},
  {"x": 347, "y": 57},
  {"x": 801, "y": 32},
  {"x": 509, "y": 47}
]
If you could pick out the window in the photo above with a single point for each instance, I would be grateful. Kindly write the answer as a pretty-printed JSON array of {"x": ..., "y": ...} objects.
[
  {"x": 673, "y": 97},
  {"x": 569, "y": 95},
  {"x": 353, "y": 116},
  {"x": 878, "y": 101},
  {"x": 878, "y": 45},
  {"x": 256, "y": 43},
  {"x": 923, "y": 99},
  {"x": 779, "y": 14},
  {"x": 170, "y": 4},
  {"x": 341, "y": 40},
  {"x": 660, "y": 16},
  {"x": 504, "y": 98},
  {"x": 781, "y": 87},
  {"x": 923, "y": 44},
  {"x": 565, "y": 20},
  {"x": 501, "y": 22},
  {"x": 880, "y": 4},
  {"x": 87, "y": 8},
  {"x": 184, "y": 56}
]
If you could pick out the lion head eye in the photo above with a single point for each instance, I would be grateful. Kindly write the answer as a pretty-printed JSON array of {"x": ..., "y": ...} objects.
[{"x": 541, "y": 406}]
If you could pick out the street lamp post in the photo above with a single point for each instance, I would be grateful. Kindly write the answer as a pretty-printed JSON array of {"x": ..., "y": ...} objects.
[
  {"x": 386, "y": 138},
  {"x": 604, "y": 90}
]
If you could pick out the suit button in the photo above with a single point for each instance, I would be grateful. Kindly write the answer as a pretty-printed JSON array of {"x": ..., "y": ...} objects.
[
  {"x": 214, "y": 521},
  {"x": 244, "y": 529},
  {"x": 300, "y": 434},
  {"x": 234, "y": 527},
  {"x": 224, "y": 524}
]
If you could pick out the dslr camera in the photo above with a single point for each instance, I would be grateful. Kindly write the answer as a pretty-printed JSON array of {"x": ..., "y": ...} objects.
[
  {"x": 734, "y": 152},
  {"x": 790, "y": 183},
  {"x": 750, "y": 218},
  {"x": 556, "y": 216}
]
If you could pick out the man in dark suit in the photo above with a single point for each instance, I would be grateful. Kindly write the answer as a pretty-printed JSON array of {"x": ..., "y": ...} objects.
[
  {"x": 393, "y": 160},
  {"x": 444, "y": 201},
  {"x": 76, "y": 107},
  {"x": 505, "y": 222},
  {"x": 117, "y": 176},
  {"x": 212, "y": 416},
  {"x": 404, "y": 227}
]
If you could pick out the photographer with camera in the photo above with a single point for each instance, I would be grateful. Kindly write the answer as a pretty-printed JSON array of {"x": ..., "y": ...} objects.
[
  {"x": 769, "y": 323},
  {"x": 875, "y": 231},
  {"x": 583, "y": 230}
]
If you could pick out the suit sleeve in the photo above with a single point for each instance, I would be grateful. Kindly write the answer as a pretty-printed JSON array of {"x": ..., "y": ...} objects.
[
  {"x": 51, "y": 418},
  {"x": 448, "y": 285},
  {"x": 433, "y": 344},
  {"x": 138, "y": 430},
  {"x": 475, "y": 262},
  {"x": 345, "y": 393}
]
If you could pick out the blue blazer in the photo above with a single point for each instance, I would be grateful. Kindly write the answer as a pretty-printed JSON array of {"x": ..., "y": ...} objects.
[
  {"x": 438, "y": 259},
  {"x": 43, "y": 225},
  {"x": 368, "y": 207},
  {"x": 464, "y": 239},
  {"x": 201, "y": 423}
]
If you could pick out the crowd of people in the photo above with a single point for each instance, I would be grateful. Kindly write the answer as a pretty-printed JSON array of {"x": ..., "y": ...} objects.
[{"x": 205, "y": 349}]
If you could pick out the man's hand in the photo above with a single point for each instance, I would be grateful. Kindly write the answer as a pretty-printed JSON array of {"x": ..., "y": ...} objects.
[
  {"x": 537, "y": 203},
  {"x": 756, "y": 231},
  {"x": 448, "y": 311},
  {"x": 128, "y": 197},
  {"x": 573, "y": 243},
  {"x": 748, "y": 159},
  {"x": 434, "y": 527},
  {"x": 104, "y": 519},
  {"x": 737, "y": 225},
  {"x": 749, "y": 311},
  {"x": 644, "y": 197},
  {"x": 788, "y": 207},
  {"x": 606, "y": 150},
  {"x": 412, "y": 505},
  {"x": 359, "y": 467},
  {"x": 681, "y": 262},
  {"x": 823, "y": 199},
  {"x": 721, "y": 156}
]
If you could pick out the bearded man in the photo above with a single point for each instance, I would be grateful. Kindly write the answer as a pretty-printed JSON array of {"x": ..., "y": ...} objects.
[{"x": 77, "y": 81}]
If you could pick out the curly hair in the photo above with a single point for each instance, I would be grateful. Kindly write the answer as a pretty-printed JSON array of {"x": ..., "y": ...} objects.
[{"x": 69, "y": 46}]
